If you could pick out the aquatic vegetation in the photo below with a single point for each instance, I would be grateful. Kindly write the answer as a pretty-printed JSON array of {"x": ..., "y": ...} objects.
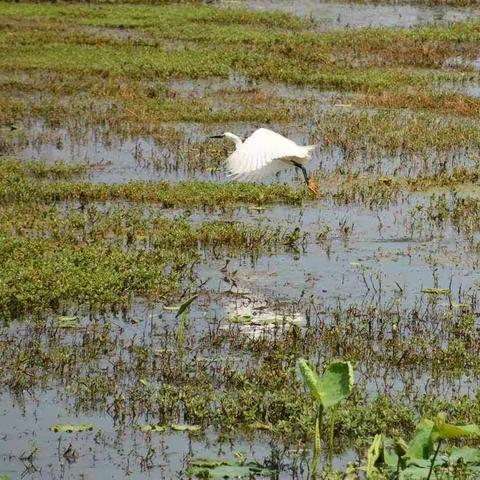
[
  {"x": 182, "y": 313},
  {"x": 116, "y": 298},
  {"x": 101, "y": 257},
  {"x": 420, "y": 457},
  {"x": 70, "y": 428},
  {"x": 329, "y": 390},
  {"x": 19, "y": 182},
  {"x": 227, "y": 469}
]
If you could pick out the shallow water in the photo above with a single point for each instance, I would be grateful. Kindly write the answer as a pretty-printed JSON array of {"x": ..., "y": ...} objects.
[
  {"x": 381, "y": 256},
  {"x": 331, "y": 15},
  {"x": 269, "y": 286},
  {"x": 348, "y": 256},
  {"x": 115, "y": 451},
  {"x": 119, "y": 160}
]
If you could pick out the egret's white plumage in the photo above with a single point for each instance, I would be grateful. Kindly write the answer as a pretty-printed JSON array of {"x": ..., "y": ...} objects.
[{"x": 264, "y": 153}]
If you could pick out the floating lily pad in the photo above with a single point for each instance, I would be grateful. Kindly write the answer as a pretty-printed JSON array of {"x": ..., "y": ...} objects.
[
  {"x": 153, "y": 428},
  {"x": 226, "y": 469},
  {"x": 67, "y": 322},
  {"x": 69, "y": 428},
  {"x": 171, "y": 308},
  {"x": 261, "y": 426},
  {"x": 186, "y": 428},
  {"x": 436, "y": 291},
  {"x": 241, "y": 319}
]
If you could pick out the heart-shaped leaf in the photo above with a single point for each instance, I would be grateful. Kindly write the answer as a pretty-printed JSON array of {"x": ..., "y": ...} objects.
[
  {"x": 336, "y": 383},
  {"x": 421, "y": 445}
]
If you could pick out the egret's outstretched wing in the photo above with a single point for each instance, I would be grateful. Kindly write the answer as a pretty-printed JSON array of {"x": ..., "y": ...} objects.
[{"x": 261, "y": 154}]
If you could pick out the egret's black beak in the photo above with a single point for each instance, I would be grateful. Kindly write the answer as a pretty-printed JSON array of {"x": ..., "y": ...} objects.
[{"x": 216, "y": 136}]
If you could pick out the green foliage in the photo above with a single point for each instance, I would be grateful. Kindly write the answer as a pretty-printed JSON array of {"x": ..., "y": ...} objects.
[
  {"x": 186, "y": 428},
  {"x": 335, "y": 384},
  {"x": 18, "y": 182},
  {"x": 69, "y": 428},
  {"x": 419, "y": 459},
  {"x": 374, "y": 455},
  {"x": 226, "y": 469},
  {"x": 445, "y": 431},
  {"x": 311, "y": 379},
  {"x": 421, "y": 445},
  {"x": 101, "y": 257},
  {"x": 153, "y": 428},
  {"x": 185, "y": 305}
]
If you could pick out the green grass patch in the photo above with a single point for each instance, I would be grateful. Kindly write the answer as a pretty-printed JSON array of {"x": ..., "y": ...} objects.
[{"x": 101, "y": 257}]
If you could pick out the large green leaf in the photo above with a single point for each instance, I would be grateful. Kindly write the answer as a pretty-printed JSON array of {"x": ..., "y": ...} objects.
[
  {"x": 421, "y": 445},
  {"x": 374, "y": 454},
  {"x": 311, "y": 379},
  {"x": 336, "y": 383},
  {"x": 446, "y": 431},
  {"x": 414, "y": 473},
  {"x": 390, "y": 458},
  {"x": 466, "y": 454}
]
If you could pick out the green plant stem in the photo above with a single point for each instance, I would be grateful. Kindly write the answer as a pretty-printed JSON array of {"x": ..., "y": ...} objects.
[
  {"x": 433, "y": 459},
  {"x": 317, "y": 444},
  {"x": 330, "y": 438},
  {"x": 180, "y": 337}
]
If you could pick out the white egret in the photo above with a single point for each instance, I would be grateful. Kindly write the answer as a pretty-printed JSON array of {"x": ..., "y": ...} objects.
[{"x": 264, "y": 153}]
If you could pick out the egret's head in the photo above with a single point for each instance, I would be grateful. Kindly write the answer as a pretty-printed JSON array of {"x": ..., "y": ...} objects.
[{"x": 229, "y": 135}]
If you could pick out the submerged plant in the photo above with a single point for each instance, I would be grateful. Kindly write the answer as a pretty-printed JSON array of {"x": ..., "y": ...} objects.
[
  {"x": 334, "y": 386},
  {"x": 183, "y": 314}
]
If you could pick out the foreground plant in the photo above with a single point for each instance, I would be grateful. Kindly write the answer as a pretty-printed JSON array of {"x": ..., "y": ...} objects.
[
  {"x": 334, "y": 386},
  {"x": 419, "y": 458}
]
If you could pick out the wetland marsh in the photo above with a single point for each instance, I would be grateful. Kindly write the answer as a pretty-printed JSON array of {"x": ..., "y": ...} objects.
[{"x": 115, "y": 210}]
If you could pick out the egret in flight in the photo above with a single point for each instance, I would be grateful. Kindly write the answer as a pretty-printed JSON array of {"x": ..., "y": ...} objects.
[{"x": 264, "y": 153}]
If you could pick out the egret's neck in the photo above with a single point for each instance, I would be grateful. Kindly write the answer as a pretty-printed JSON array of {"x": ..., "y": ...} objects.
[{"x": 232, "y": 136}]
